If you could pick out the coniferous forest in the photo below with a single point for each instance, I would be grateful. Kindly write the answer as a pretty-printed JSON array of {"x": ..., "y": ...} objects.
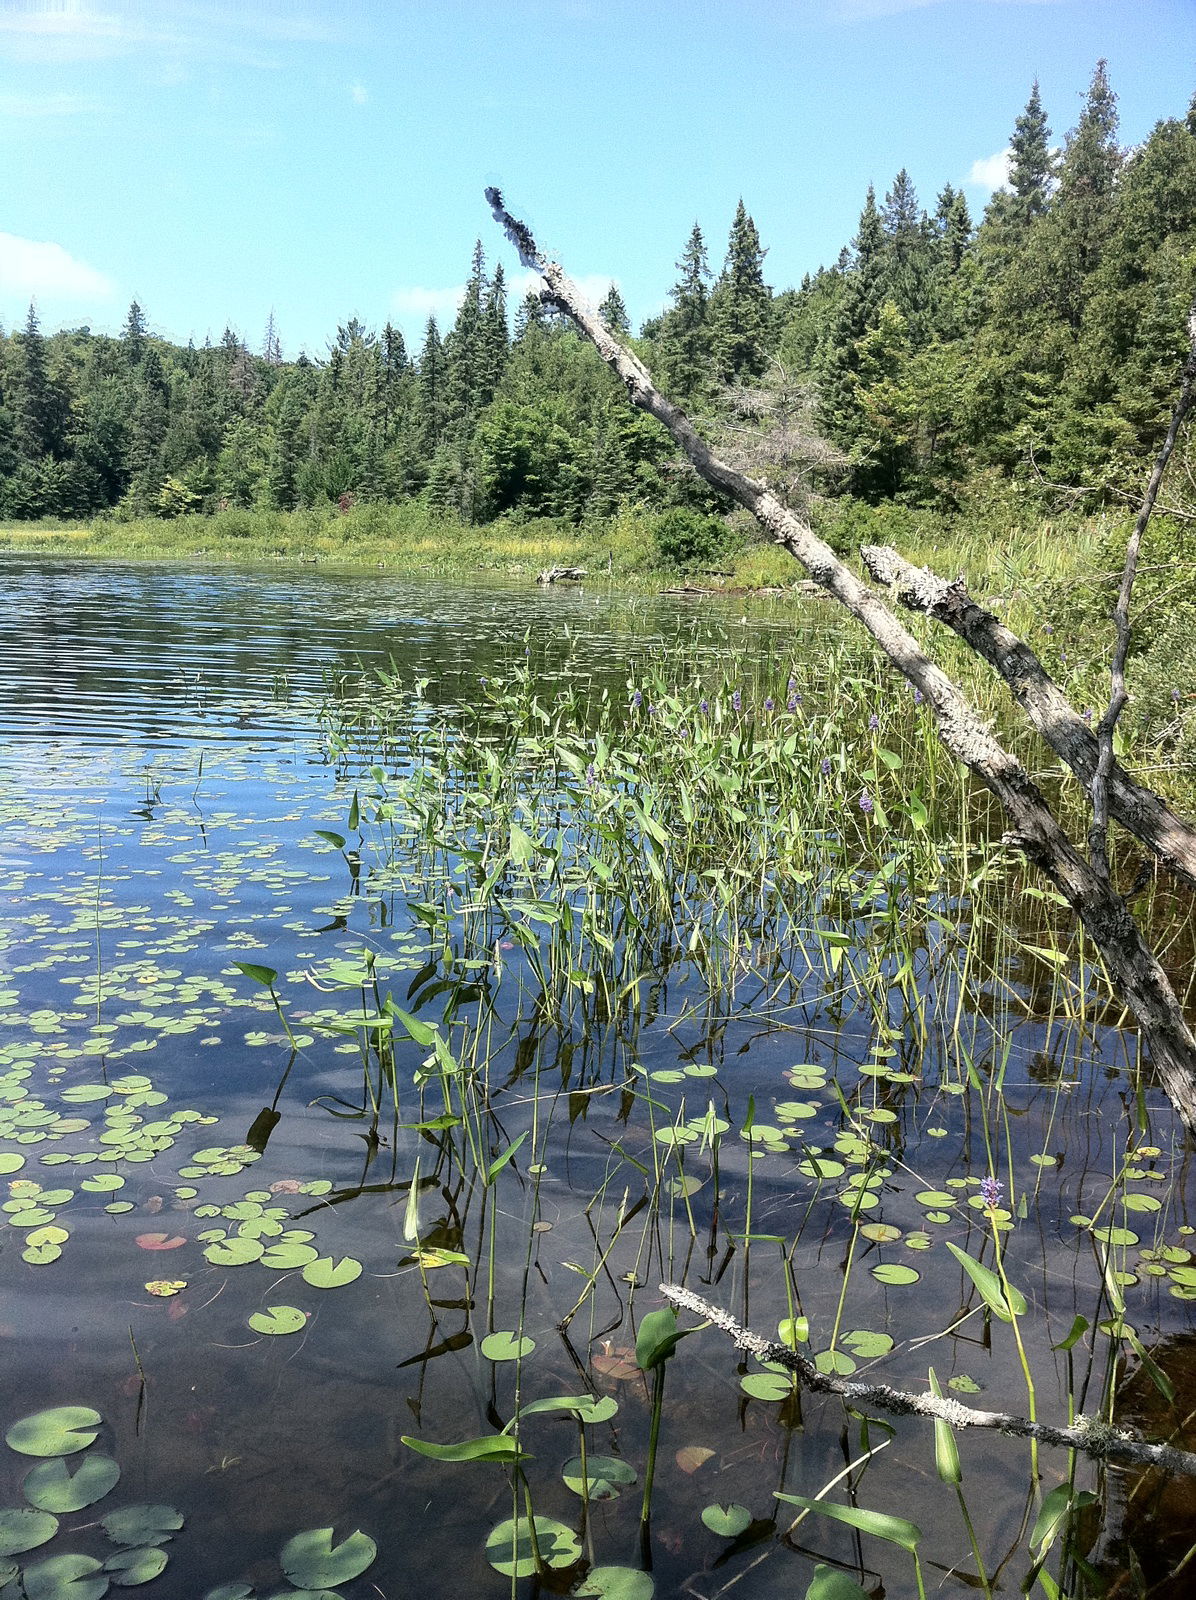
[{"x": 1039, "y": 342}]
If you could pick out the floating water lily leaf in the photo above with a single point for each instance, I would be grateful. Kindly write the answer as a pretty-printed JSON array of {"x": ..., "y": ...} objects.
[
  {"x": 234, "y": 1252},
  {"x": 693, "y": 1456},
  {"x": 834, "y": 1361},
  {"x": 59, "y": 1431},
  {"x": 325, "y": 1273},
  {"x": 65, "y": 1577},
  {"x": 23, "y": 1529},
  {"x": 165, "y": 1288},
  {"x": 830, "y": 1584},
  {"x": 160, "y": 1241},
  {"x": 286, "y": 1257},
  {"x": 142, "y": 1524},
  {"x": 231, "y": 1591},
  {"x": 867, "y": 1345},
  {"x": 506, "y": 1347},
  {"x": 311, "y": 1560},
  {"x": 51, "y": 1485},
  {"x": 881, "y": 1232},
  {"x": 766, "y": 1385},
  {"x": 727, "y": 1521},
  {"x": 509, "y": 1548},
  {"x": 616, "y": 1583},
  {"x": 306, "y": 1594},
  {"x": 606, "y": 1475},
  {"x": 128, "y": 1568},
  {"x": 10, "y": 1161},
  {"x": 894, "y": 1272},
  {"x": 278, "y": 1319}
]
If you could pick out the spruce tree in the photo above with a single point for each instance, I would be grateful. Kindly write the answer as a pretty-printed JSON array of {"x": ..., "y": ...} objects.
[
  {"x": 271, "y": 343},
  {"x": 614, "y": 313},
  {"x": 495, "y": 340},
  {"x": 856, "y": 310},
  {"x": 464, "y": 350},
  {"x": 740, "y": 307},
  {"x": 433, "y": 378},
  {"x": 134, "y": 336},
  {"x": 1082, "y": 212},
  {"x": 1032, "y": 164},
  {"x": 685, "y": 352},
  {"x": 36, "y": 423}
]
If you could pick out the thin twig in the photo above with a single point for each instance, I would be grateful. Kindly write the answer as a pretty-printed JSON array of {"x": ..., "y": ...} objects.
[{"x": 1090, "y": 1437}]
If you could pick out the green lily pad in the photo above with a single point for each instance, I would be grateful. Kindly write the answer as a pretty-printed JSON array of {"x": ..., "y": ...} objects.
[
  {"x": 607, "y": 1476},
  {"x": 142, "y": 1524},
  {"x": 278, "y": 1319},
  {"x": 509, "y": 1546},
  {"x": 325, "y": 1273},
  {"x": 65, "y": 1577},
  {"x": 506, "y": 1347},
  {"x": 231, "y": 1591},
  {"x": 10, "y": 1161},
  {"x": 51, "y": 1485},
  {"x": 128, "y": 1568},
  {"x": 60, "y": 1431},
  {"x": 767, "y": 1385},
  {"x": 23, "y": 1529},
  {"x": 894, "y": 1272},
  {"x": 616, "y": 1583},
  {"x": 727, "y": 1521},
  {"x": 311, "y": 1560},
  {"x": 287, "y": 1257},
  {"x": 234, "y": 1252}
]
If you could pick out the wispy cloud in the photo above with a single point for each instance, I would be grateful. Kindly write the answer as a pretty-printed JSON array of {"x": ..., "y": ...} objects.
[
  {"x": 57, "y": 31},
  {"x": 38, "y": 268},
  {"x": 358, "y": 93},
  {"x": 991, "y": 172}
]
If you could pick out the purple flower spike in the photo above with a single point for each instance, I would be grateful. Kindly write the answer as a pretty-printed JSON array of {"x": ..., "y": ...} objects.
[
  {"x": 1088, "y": 715},
  {"x": 736, "y": 701},
  {"x": 866, "y": 805},
  {"x": 793, "y": 702},
  {"x": 704, "y": 706},
  {"x": 591, "y": 775},
  {"x": 769, "y": 704},
  {"x": 792, "y": 686},
  {"x": 990, "y": 1192},
  {"x": 874, "y": 722},
  {"x": 653, "y": 711},
  {"x": 1175, "y": 695},
  {"x": 826, "y": 766},
  {"x": 918, "y": 697},
  {"x": 637, "y": 699}
]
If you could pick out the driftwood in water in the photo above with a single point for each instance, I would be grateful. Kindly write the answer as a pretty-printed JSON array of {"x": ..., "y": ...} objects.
[
  {"x": 1091, "y": 1438},
  {"x": 561, "y": 575},
  {"x": 1132, "y": 965}
]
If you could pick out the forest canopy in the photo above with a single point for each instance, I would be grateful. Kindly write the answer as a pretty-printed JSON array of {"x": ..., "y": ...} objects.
[{"x": 1039, "y": 342}]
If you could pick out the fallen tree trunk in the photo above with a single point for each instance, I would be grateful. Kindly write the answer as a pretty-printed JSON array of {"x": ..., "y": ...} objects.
[
  {"x": 1139, "y": 810},
  {"x": 1094, "y": 1439},
  {"x": 1132, "y": 965}
]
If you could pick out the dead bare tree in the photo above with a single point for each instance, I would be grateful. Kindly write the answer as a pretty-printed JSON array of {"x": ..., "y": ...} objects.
[{"x": 1132, "y": 966}]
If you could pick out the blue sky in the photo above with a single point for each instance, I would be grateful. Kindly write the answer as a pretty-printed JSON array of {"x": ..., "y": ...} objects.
[{"x": 325, "y": 160}]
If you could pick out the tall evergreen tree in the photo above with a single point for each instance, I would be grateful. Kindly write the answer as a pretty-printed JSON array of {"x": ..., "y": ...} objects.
[
  {"x": 685, "y": 350},
  {"x": 134, "y": 335},
  {"x": 740, "y": 307},
  {"x": 464, "y": 350},
  {"x": 855, "y": 311},
  {"x": 614, "y": 313},
  {"x": 36, "y": 413},
  {"x": 1031, "y": 164},
  {"x": 433, "y": 383},
  {"x": 271, "y": 343},
  {"x": 1082, "y": 212},
  {"x": 495, "y": 340}
]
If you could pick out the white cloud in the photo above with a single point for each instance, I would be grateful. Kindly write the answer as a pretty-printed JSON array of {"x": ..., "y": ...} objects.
[
  {"x": 55, "y": 31},
  {"x": 358, "y": 93},
  {"x": 991, "y": 172},
  {"x": 36, "y": 268}
]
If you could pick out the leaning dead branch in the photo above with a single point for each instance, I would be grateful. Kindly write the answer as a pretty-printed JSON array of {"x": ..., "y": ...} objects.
[
  {"x": 1090, "y": 1438},
  {"x": 1137, "y": 809},
  {"x": 1132, "y": 965}
]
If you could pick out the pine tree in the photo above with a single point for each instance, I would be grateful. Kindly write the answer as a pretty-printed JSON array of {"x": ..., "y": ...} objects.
[
  {"x": 464, "y": 350},
  {"x": 685, "y": 358},
  {"x": 856, "y": 310},
  {"x": 1032, "y": 164},
  {"x": 740, "y": 307},
  {"x": 614, "y": 313},
  {"x": 496, "y": 341},
  {"x": 433, "y": 377},
  {"x": 953, "y": 226},
  {"x": 134, "y": 336},
  {"x": 36, "y": 418},
  {"x": 271, "y": 344},
  {"x": 907, "y": 255}
]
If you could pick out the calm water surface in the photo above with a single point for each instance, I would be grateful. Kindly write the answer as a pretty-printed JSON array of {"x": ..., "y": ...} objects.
[{"x": 164, "y": 781}]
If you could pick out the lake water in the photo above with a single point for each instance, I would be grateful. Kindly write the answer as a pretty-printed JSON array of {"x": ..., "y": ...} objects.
[{"x": 172, "y": 806}]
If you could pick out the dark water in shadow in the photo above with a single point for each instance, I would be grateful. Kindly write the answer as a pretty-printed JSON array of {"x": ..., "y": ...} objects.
[{"x": 161, "y": 786}]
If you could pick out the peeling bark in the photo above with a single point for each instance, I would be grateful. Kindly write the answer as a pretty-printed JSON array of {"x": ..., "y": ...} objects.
[
  {"x": 1137, "y": 809},
  {"x": 1094, "y": 1439},
  {"x": 1131, "y": 963}
]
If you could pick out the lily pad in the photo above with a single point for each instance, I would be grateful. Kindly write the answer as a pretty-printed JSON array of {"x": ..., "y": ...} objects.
[
  {"x": 142, "y": 1524},
  {"x": 727, "y": 1521},
  {"x": 606, "y": 1476},
  {"x": 616, "y": 1583},
  {"x": 278, "y": 1319},
  {"x": 509, "y": 1547},
  {"x": 894, "y": 1272},
  {"x": 506, "y": 1347},
  {"x": 326, "y": 1273},
  {"x": 60, "y": 1431},
  {"x": 52, "y": 1486},
  {"x": 65, "y": 1577},
  {"x": 311, "y": 1560},
  {"x": 127, "y": 1568},
  {"x": 24, "y": 1529}
]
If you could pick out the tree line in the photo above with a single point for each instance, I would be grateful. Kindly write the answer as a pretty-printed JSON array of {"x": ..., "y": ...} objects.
[{"x": 1041, "y": 341}]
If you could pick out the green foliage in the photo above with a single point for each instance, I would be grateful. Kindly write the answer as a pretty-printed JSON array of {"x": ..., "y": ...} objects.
[{"x": 688, "y": 541}]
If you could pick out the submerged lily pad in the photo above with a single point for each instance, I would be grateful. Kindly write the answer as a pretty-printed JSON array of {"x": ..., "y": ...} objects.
[
  {"x": 142, "y": 1524},
  {"x": 509, "y": 1547},
  {"x": 606, "y": 1476},
  {"x": 727, "y": 1521}
]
